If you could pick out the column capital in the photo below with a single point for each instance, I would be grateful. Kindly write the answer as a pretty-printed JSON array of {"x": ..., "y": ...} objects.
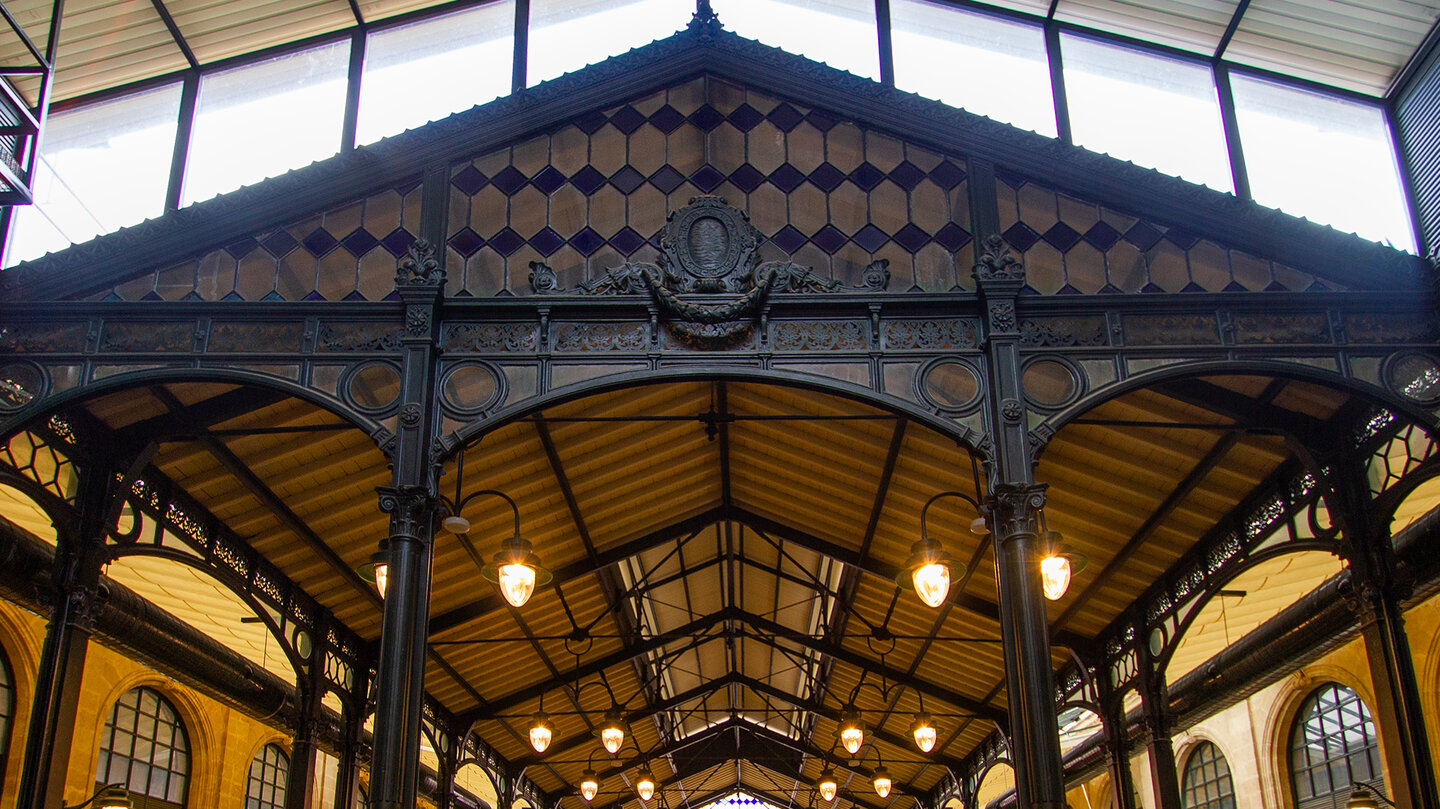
[
  {"x": 1015, "y": 508},
  {"x": 409, "y": 508}
]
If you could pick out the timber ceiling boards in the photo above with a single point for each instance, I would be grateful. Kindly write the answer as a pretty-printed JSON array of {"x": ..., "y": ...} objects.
[
  {"x": 1359, "y": 45},
  {"x": 727, "y": 550}
]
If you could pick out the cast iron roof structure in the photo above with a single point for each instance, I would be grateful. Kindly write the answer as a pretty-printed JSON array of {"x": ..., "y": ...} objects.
[{"x": 725, "y": 516}]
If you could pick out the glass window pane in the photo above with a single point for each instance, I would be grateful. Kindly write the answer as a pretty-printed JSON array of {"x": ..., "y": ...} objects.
[
  {"x": 265, "y": 119},
  {"x": 980, "y": 63},
  {"x": 566, "y": 35},
  {"x": 1153, "y": 111},
  {"x": 425, "y": 71},
  {"x": 102, "y": 167},
  {"x": 840, "y": 33},
  {"x": 1328, "y": 159}
]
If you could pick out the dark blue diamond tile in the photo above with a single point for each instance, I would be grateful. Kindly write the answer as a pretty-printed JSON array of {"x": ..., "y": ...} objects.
[
  {"x": 314, "y": 296},
  {"x": 152, "y": 295},
  {"x": 952, "y": 237},
  {"x": 785, "y": 117},
  {"x": 911, "y": 237},
  {"x": 627, "y": 119},
  {"x": 398, "y": 241},
  {"x": 745, "y": 117},
  {"x": 829, "y": 239},
  {"x": 821, "y": 121},
  {"x": 506, "y": 241},
  {"x": 627, "y": 241},
  {"x": 907, "y": 175},
  {"x": 279, "y": 243},
  {"x": 587, "y": 241},
  {"x": 707, "y": 178},
  {"x": 241, "y": 248},
  {"x": 826, "y": 177},
  {"x": 1068, "y": 290},
  {"x": 1010, "y": 178},
  {"x": 360, "y": 242},
  {"x": 467, "y": 242},
  {"x": 1102, "y": 236},
  {"x": 1152, "y": 288},
  {"x": 591, "y": 122},
  {"x": 1021, "y": 237},
  {"x": 548, "y": 180},
  {"x": 867, "y": 176},
  {"x": 871, "y": 238},
  {"x": 627, "y": 180},
  {"x": 667, "y": 179},
  {"x": 1143, "y": 236},
  {"x": 1182, "y": 238},
  {"x": 469, "y": 180},
  {"x": 787, "y": 177},
  {"x": 320, "y": 242},
  {"x": 1194, "y": 287},
  {"x": 667, "y": 119},
  {"x": 587, "y": 180},
  {"x": 747, "y": 178},
  {"x": 546, "y": 241},
  {"x": 509, "y": 180},
  {"x": 707, "y": 117},
  {"x": 353, "y": 295},
  {"x": 947, "y": 175},
  {"x": 788, "y": 239},
  {"x": 272, "y": 295},
  {"x": 1061, "y": 236}
]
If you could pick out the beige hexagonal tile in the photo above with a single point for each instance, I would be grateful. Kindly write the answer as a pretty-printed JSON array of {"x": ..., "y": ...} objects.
[
  {"x": 647, "y": 210},
  {"x": 382, "y": 213},
  {"x": 647, "y": 150},
  {"x": 531, "y": 156},
  {"x": 883, "y": 152},
  {"x": 569, "y": 150},
  {"x": 489, "y": 211},
  {"x": 725, "y": 148},
  {"x": 849, "y": 208},
  {"x": 1085, "y": 268},
  {"x": 765, "y": 147},
  {"x": 929, "y": 207},
  {"x": 607, "y": 150},
  {"x": 607, "y": 211},
  {"x": 685, "y": 149},
  {"x": 1209, "y": 266},
  {"x": 889, "y": 207},
  {"x": 807, "y": 209},
  {"x": 768, "y": 209},
  {"x": 805, "y": 147},
  {"x": 1037, "y": 207},
  {"x": 568, "y": 208},
  {"x": 528, "y": 211}
]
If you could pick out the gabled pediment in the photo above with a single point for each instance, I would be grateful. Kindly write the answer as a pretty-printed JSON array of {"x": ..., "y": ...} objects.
[{"x": 836, "y": 171}]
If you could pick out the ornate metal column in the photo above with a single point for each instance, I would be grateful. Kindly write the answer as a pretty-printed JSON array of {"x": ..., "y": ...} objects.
[
  {"x": 62, "y": 658},
  {"x": 300, "y": 779},
  {"x": 1117, "y": 748},
  {"x": 1378, "y": 597},
  {"x": 1155, "y": 703},
  {"x": 1015, "y": 502},
  {"x": 394, "y": 772},
  {"x": 347, "y": 771}
]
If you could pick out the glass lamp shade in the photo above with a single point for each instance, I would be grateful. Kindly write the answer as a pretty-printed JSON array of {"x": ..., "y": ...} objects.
[
  {"x": 828, "y": 786},
  {"x": 589, "y": 785},
  {"x": 612, "y": 733},
  {"x": 932, "y": 583},
  {"x": 923, "y": 729},
  {"x": 1055, "y": 576},
  {"x": 881, "y": 781},
  {"x": 928, "y": 572},
  {"x": 517, "y": 571},
  {"x": 113, "y": 797},
  {"x": 852, "y": 733},
  {"x": 645, "y": 785},
  {"x": 541, "y": 731},
  {"x": 1360, "y": 799},
  {"x": 382, "y": 577},
  {"x": 376, "y": 569}
]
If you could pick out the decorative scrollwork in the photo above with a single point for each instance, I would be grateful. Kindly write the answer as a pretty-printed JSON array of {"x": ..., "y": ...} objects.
[
  {"x": 1011, "y": 410},
  {"x": 996, "y": 262},
  {"x": 419, "y": 267},
  {"x": 1063, "y": 332},
  {"x": 489, "y": 337},
  {"x": 1002, "y": 315},
  {"x": 1017, "y": 508}
]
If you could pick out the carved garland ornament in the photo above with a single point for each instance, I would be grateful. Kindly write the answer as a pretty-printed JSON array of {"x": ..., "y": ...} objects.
[{"x": 708, "y": 249}]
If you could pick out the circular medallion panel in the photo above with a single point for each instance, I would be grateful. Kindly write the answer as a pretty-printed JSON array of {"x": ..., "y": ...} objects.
[
  {"x": 1050, "y": 383},
  {"x": 470, "y": 388},
  {"x": 374, "y": 386},
  {"x": 950, "y": 385},
  {"x": 20, "y": 384},
  {"x": 1416, "y": 377}
]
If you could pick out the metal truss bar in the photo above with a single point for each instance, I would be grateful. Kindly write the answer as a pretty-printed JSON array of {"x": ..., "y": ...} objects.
[
  {"x": 185, "y": 421},
  {"x": 175, "y": 34},
  {"x": 722, "y": 402},
  {"x": 1246, "y": 410},
  {"x": 1231, "y": 28}
]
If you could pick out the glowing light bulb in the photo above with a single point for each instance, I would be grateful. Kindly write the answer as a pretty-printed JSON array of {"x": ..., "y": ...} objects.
[
  {"x": 517, "y": 582},
  {"x": 932, "y": 583},
  {"x": 612, "y": 737},
  {"x": 851, "y": 739},
  {"x": 541, "y": 732},
  {"x": 828, "y": 786},
  {"x": 924, "y": 732},
  {"x": 882, "y": 782},
  {"x": 589, "y": 786},
  {"x": 382, "y": 577},
  {"x": 1055, "y": 576},
  {"x": 645, "y": 786}
]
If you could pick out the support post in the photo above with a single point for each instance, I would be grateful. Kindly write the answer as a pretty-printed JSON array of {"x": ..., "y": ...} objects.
[
  {"x": 1117, "y": 747},
  {"x": 1159, "y": 724},
  {"x": 300, "y": 780},
  {"x": 49, "y": 738},
  {"x": 1399, "y": 717},
  {"x": 1015, "y": 502},
  {"x": 410, "y": 502}
]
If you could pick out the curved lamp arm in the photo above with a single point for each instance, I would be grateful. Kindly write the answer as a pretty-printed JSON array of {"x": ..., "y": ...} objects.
[
  {"x": 1359, "y": 799},
  {"x": 925, "y": 510},
  {"x": 455, "y": 508},
  {"x": 110, "y": 796}
]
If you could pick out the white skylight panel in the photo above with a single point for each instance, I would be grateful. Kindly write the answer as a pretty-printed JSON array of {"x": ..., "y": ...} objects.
[
  {"x": 840, "y": 33},
  {"x": 566, "y": 35}
]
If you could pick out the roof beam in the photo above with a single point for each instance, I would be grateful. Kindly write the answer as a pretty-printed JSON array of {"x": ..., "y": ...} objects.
[
  {"x": 187, "y": 421},
  {"x": 1245, "y": 410},
  {"x": 175, "y": 33}
]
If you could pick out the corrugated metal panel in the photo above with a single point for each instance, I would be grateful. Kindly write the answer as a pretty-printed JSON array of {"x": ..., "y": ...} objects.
[
  {"x": 1418, "y": 116},
  {"x": 1192, "y": 25}
]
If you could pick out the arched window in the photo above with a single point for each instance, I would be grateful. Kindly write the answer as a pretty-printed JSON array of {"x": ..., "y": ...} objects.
[
  {"x": 1207, "y": 783},
  {"x": 144, "y": 747},
  {"x": 265, "y": 788},
  {"x": 1332, "y": 746},
  {"x": 7, "y": 710}
]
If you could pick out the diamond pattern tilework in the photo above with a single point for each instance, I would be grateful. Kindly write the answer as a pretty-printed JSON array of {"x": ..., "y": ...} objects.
[
  {"x": 788, "y": 239},
  {"x": 786, "y": 178},
  {"x": 587, "y": 180},
  {"x": 707, "y": 117},
  {"x": 506, "y": 241},
  {"x": 745, "y": 117},
  {"x": 360, "y": 242},
  {"x": 1181, "y": 238},
  {"x": 241, "y": 248},
  {"x": 548, "y": 180},
  {"x": 827, "y": 177},
  {"x": 627, "y": 241},
  {"x": 1021, "y": 237},
  {"x": 546, "y": 241},
  {"x": 871, "y": 238},
  {"x": 867, "y": 176},
  {"x": 911, "y": 237},
  {"x": 747, "y": 178},
  {"x": 591, "y": 122},
  {"x": 509, "y": 180},
  {"x": 829, "y": 239},
  {"x": 397, "y": 241},
  {"x": 466, "y": 242},
  {"x": 468, "y": 180},
  {"x": 279, "y": 244},
  {"x": 952, "y": 237},
  {"x": 627, "y": 119},
  {"x": 627, "y": 180},
  {"x": 1102, "y": 236},
  {"x": 667, "y": 179},
  {"x": 907, "y": 175},
  {"x": 1143, "y": 236},
  {"x": 947, "y": 175},
  {"x": 667, "y": 119},
  {"x": 785, "y": 117},
  {"x": 1061, "y": 236},
  {"x": 587, "y": 241},
  {"x": 707, "y": 178}
]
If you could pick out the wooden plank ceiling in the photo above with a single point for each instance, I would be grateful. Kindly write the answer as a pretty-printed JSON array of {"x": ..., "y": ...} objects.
[
  {"x": 748, "y": 533},
  {"x": 1359, "y": 45}
]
